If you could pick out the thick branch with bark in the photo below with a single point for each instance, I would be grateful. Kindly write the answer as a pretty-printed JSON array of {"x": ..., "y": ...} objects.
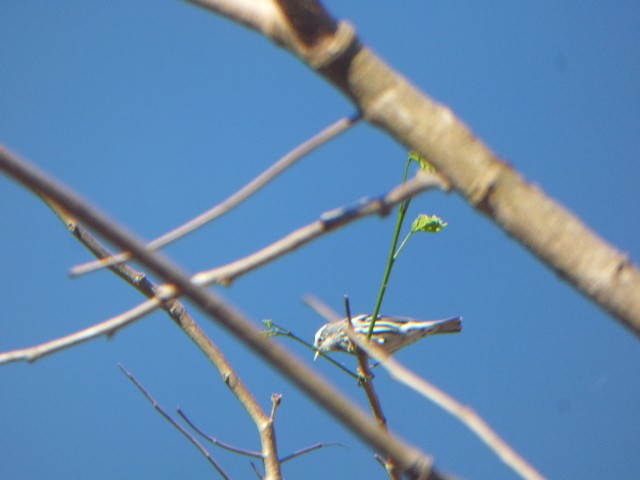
[{"x": 547, "y": 229}]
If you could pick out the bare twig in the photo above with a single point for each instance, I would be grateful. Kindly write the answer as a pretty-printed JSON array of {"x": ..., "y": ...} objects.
[
  {"x": 234, "y": 200},
  {"x": 276, "y": 400},
  {"x": 413, "y": 463},
  {"x": 218, "y": 443},
  {"x": 370, "y": 391},
  {"x": 256, "y": 471},
  {"x": 261, "y": 15},
  {"x": 328, "y": 222},
  {"x": 106, "y": 328},
  {"x": 253, "y": 453},
  {"x": 276, "y": 330},
  {"x": 179, "y": 427},
  {"x": 309, "y": 449},
  {"x": 463, "y": 413}
]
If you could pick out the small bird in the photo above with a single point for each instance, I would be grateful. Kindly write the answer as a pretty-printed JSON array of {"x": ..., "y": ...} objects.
[{"x": 390, "y": 333}]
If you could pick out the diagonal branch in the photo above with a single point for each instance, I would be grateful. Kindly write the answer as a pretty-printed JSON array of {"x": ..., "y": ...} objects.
[
  {"x": 175, "y": 424},
  {"x": 364, "y": 372},
  {"x": 106, "y": 328},
  {"x": 464, "y": 414},
  {"x": 547, "y": 229},
  {"x": 219, "y": 443},
  {"x": 372, "y": 395},
  {"x": 188, "y": 325},
  {"x": 328, "y": 222},
  {"x": 411, "y": 461},
  {"x": 234, "y": 200}
]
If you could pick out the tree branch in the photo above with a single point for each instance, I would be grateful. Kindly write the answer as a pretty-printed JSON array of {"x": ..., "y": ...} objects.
[
  {"x": 464, "y": 414},
  {"x": 411, "y": 461},
  {"x": 175, "y": 424},
  {"x": 372, "y": 395},
  {"x": 234, "y": 200},
  {"x": 188, "y": 325},
  {"x": 553, "y": 234},
  {"x": 328, "y": 222}
]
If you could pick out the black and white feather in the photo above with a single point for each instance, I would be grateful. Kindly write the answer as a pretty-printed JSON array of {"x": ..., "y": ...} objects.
[{"x": 391, "y": 333}]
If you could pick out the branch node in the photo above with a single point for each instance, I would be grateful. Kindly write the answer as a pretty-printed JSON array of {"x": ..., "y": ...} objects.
[{"x": 332, "y": 48}]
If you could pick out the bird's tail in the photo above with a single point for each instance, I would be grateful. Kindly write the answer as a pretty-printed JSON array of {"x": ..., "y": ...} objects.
[
  {"x": 449, "y": 325},
  {"x": 434, "y": 327}
]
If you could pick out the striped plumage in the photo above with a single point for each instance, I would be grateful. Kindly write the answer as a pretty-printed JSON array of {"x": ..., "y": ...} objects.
[{"x": 391, "y": 333}]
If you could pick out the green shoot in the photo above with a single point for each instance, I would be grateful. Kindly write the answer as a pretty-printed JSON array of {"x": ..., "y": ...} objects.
[{"x": 424, "y": 223}]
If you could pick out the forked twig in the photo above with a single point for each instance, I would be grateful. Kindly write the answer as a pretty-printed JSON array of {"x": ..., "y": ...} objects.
[
  {"x": 219, "y": 443},
  {"x": 175, "y": 424},
  {"x": 234, "y": 200},
  {"x": 253, "y": 453},
  {"x": 309, "y": 449}
]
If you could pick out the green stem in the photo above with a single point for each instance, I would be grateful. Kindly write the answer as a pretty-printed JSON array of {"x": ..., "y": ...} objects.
[
  {"x": 404, "y": 206},
  {"x": 406, "y": 239}
]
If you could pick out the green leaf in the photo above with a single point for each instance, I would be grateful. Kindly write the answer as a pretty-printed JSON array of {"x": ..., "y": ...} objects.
[
  {"x": 428, "y": 223},
  {"x": 424, "y": 163}
]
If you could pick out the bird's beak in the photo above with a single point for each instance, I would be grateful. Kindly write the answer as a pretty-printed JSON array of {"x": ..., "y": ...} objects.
[{"x": 315, "y": 357}]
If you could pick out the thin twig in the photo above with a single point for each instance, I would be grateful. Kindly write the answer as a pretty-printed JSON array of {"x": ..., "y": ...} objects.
[
  {"x": 328, "y": 222},
  {"x": 312, "y": 448},
  {"x": 218, "y": 443},
  {"x": 276, "y": 401},
  {"x": 234, "y": 200},
  {"x": 370, "y": 391},
  {"x": 461, "y": 412},
  {"x": 253, "y": 453},
  {"x": 179, "y": 427},
  {"x": 106, "y": 328},
  {"x": 276, "y": 330},
  {"x": 256, "y": 471}
]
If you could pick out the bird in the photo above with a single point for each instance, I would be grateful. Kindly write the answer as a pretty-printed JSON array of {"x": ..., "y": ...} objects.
[{"x": 390, "y": 333}]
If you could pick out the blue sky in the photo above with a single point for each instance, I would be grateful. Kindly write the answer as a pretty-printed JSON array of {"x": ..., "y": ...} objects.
[{"x": 157, "y": 110}]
